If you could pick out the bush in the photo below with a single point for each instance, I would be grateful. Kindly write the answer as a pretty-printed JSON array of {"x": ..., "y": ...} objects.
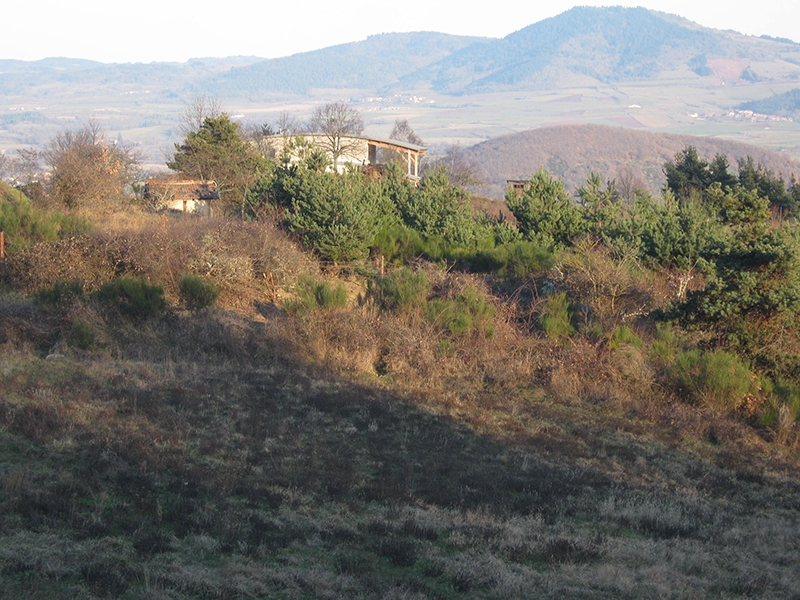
[
  {"x": 338, "y": 216},
  {"x": 82, "y": 335},
  {"x": 61, "y": 292},
  {"x": 401, "y": 291},
  {"x": 133, "y": 296},
  {"x": 718, "y": 380},
  {"x": 398, "y": 243},
  {"x": 663, "y": 348},
  {"x": 25, "y": 225},
  {"x": 467, "y": 315},
  {"x": 197, "y": 293},
  {"x": 556, "y": 317},
  {"x": 515, "y": 261},
  {"x": 624, "y": 336},
  {"x": 313, "y": 294}
]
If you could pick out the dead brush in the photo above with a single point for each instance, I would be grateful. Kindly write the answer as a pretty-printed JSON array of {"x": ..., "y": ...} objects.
[
  {"x": 238, "y": 256},
  {"x": 614, "y": 286}
]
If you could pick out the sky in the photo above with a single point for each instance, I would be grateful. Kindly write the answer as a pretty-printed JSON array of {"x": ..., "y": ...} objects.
[{"x": 177, "y": 30}]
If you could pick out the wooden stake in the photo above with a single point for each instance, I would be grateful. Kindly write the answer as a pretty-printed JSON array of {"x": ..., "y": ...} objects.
[{"x": 2, "y": 246}]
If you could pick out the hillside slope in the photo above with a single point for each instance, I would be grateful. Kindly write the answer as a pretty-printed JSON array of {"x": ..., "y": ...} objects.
[
  {"x": 572, "y": 151},
  {"x": 608, "y": 44},
  {"x": 249, "y": 452},
  {"x": 366, "y": 65}
]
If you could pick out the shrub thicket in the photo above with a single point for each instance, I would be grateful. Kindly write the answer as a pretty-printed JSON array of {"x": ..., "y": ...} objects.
[
  {"x": 556, "y": 317},
  {"x": 402, "y": 291},
  {"x": 717, "y": 380},
  {"x": 467, "y": 315},
  {"x": 133, "y": 296},
  {"x": 61, "y": 292},
  {"x": 24, "y": 224},
  {"x": 197, "y": 293},
  {"x": 313, "y": 294}
]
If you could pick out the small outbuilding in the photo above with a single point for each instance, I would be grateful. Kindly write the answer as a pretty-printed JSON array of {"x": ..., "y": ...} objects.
[{"x": 183, "y": 195}]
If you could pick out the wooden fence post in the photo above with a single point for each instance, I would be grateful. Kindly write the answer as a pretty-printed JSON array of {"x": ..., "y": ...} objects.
[{"x": 2, "y": 247}]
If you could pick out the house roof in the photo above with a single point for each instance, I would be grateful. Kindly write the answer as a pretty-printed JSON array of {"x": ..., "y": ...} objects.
[
  {"x": 393, "y": 144},
  {"x": 181, "y": 189},
  {"x": 377, "y": 141}
]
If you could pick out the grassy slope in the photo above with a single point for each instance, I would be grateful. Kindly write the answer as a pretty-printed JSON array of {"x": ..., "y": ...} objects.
[{"x": 251, "y": 453}]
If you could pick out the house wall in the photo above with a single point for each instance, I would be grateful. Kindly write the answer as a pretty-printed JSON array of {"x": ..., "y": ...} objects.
[
  {"x": 357, "y": 153},
  {"x": 198, "y": 207}
]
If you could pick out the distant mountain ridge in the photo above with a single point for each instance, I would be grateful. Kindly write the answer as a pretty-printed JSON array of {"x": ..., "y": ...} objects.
[
  {"x": 370, "y": 64},
  {"x": 606, "y": 44},
  {"x": 610, "y": 43}
]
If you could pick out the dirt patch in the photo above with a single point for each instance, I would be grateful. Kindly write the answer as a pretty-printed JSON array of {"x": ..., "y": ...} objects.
[{"x": 727, "y": 70}]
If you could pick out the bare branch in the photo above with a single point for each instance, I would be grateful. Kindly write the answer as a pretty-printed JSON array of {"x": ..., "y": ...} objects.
[
  {"x": 337, "y": 122},
  {"x": 196, "y": 111}
]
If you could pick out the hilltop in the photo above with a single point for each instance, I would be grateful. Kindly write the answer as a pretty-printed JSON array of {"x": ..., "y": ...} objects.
[{"x": 571, "y": 152}]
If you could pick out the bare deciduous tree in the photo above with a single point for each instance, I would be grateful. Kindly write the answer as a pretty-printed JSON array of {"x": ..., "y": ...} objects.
[
  {"x": 196, "y": 111},
  {"x": 628, "y": 183},
  {"x": 85, "y": 168},
  {"x": 288, "y": 125},
  {"x": 403, "y": 132},
  {"x": 5, "y": 165},
  {"x": 338, "y": 123},
  {"x": 460, "y": 169}
]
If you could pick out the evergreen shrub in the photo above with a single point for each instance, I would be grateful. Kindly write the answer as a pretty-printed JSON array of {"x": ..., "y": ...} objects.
[
  {"x": 133, "y": 296},
  {"x": 556, "y": 317},
  {"x": 467, "y": 315},
  {"x": 313, "y": 294},
  {"x": 82, "y": 335},
  {"x": 401, "y": 291},
  {"x": 197, "y": 293},
  {"x": 61, "y": 292},
  {"x": 515, "y": 260},
  {"x": 718, "y": 380},
  {"x": 23, "y": 224}
]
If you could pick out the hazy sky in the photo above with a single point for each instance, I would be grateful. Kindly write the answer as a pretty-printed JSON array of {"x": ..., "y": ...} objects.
[{"x": 176, "y": 30}]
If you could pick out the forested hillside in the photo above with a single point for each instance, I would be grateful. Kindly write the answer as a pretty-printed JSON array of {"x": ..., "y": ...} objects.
[{"x": 786, "y": 104}]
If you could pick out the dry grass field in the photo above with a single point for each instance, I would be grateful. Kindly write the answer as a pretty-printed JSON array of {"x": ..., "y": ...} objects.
[{"x": 249, "y": 451}]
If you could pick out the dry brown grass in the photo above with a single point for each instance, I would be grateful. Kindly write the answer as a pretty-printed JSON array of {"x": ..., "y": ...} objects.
[
  {"x": 250, "y": 262},
  {"x": 359, "y": 452}
]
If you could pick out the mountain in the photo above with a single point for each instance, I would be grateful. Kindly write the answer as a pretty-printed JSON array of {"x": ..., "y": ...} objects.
[
  {"x": 378, "y": 61},
  {"x": 608, "y": 44},
  {"x": 600, "y": 44},
  {"x": 572, "y": 151},
  {"x": 66, "y": 76}
]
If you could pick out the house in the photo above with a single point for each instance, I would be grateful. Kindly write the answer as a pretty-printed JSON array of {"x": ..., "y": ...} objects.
[
  {"x": 184, "y": 195},
  {"x": 369, "y": 153},
  {"x": 517, "y": 185}
]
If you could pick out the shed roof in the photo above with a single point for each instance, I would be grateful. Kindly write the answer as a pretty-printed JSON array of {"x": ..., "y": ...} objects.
[{"x": 181, "y": 189}]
